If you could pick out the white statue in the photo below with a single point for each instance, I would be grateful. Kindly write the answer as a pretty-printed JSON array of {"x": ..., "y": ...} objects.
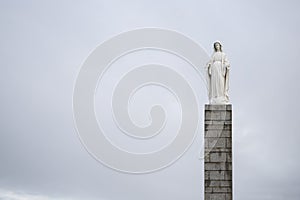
[{"x": 218, "y": 76}]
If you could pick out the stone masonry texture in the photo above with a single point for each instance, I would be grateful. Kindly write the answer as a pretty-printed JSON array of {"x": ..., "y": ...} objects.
[{"x": 218, "y": 152}]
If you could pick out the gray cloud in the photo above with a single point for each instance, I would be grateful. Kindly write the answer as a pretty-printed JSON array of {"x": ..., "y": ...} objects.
[{"x": 43, "y": 45}]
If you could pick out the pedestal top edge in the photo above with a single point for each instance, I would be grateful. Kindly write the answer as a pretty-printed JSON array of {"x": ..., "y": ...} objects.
[{"x": 218, "y": 107}]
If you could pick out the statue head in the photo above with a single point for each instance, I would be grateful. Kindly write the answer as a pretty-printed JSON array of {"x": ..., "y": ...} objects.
[{"x": 217, "y": 46}]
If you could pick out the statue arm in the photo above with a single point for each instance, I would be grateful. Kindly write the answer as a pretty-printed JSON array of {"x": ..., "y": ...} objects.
[
  {"x": 208, "y": 77},
  {"x": 226, "y": 62},
  {"x": 208, "y": 66},
  {"x": 226, "y": 65}
]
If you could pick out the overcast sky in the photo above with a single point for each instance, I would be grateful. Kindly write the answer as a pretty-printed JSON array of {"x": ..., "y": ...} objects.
[{"x": 44, "y": 43}]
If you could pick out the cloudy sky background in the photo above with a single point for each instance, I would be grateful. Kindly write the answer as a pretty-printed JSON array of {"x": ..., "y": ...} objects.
[{"x": 43, "y": 45}]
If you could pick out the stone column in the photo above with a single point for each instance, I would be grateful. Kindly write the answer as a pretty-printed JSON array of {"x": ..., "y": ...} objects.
[{"x": 218, "y": 152}]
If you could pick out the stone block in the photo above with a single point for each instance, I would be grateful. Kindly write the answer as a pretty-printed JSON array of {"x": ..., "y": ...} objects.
[
  {"x": 228, "y": 142},
  {"x": 206, "y": 158},
  {"x": 228, "y": 196},
  {"x": 215, "y": 196},
  {"x": 218, "y": 115},
  {"x": 206, "y": 175},
  {"x": 217, "y": 166},
  {"x": 217, "y": 133},
  {"x": 217, "y": 157},
  {"x": 208, "y": 190},
  {"x": 226, "y": 183},
  {"x": 217, "y": 183},
  {"x": 227, "y": 175},
  {"x": 221, "y": 189},
  {"x": 229, "y": 157},
  {"x": 215, "y": 142},
  {"x": 217, "y": 127},
  {"x": 216, "y": 175}
]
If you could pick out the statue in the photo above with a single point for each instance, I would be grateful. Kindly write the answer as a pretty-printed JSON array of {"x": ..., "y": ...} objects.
[{"x": 218, "y": 76}]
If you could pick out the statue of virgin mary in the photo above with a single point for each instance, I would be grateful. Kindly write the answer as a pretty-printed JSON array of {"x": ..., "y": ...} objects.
[{"x": 218, "y": 76}]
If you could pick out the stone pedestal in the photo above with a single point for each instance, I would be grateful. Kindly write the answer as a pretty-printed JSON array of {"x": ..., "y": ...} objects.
[{"x": 218, "y": 152}]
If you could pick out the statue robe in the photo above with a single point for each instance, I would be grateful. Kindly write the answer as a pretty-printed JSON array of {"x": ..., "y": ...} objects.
[{"x": 218, "y": 79}]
